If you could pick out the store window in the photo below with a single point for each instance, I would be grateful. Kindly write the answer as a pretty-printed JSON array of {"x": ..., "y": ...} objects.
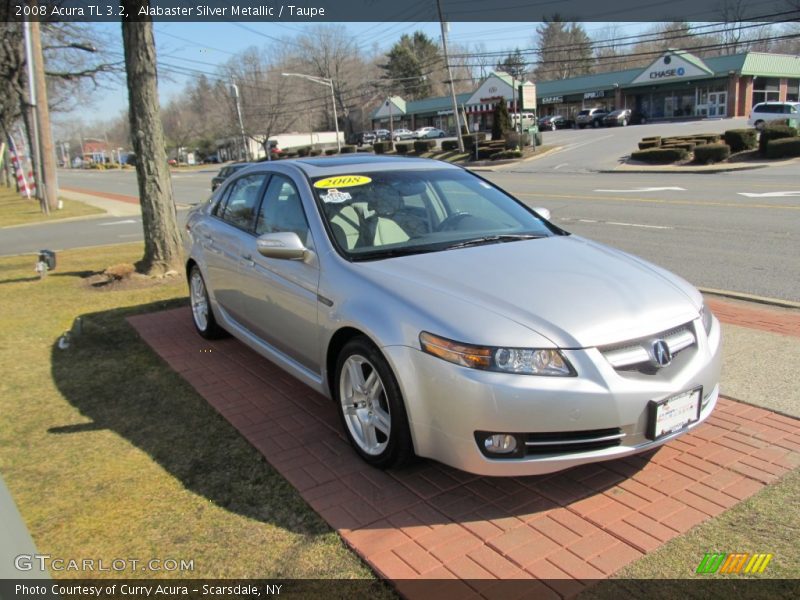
[
  {"x": 793, "y": 90},
  {"x": 766, "y": 89}
]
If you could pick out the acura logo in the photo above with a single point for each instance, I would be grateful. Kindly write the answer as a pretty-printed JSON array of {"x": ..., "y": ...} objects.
[{"x": 661, "y": 354}]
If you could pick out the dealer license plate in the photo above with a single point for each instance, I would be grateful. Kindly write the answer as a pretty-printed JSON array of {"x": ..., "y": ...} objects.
[{"x": 674, "y": 413}]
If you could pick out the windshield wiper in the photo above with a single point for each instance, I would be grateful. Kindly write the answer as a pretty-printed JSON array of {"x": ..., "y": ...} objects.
[
  {"x": 390, "y": 253},
  {"x": 493, "y": 239}
]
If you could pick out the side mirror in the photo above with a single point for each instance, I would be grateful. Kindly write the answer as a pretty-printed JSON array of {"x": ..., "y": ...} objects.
[
  {"x": 542, "y": 212},
  {"x": 282, "y": 244}
]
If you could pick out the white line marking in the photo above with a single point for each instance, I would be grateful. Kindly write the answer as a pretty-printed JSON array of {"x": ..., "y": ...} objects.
[
  {"x": 576, "y": 146},
  {"x": 587, "y": 221},
  {"x": 559, "y": 166},
  {"x": 127, "y": 235},
  {"x": 637, "y": 225},
  {"x": 645, "y": 189},
  {"x": 118, "y": 222},
  {"x": 769, "y": 194}
]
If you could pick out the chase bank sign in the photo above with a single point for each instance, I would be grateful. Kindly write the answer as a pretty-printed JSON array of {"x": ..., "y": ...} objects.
[
  {"x": 679, "y": 72},
  {"x": 673, "y": 66}
]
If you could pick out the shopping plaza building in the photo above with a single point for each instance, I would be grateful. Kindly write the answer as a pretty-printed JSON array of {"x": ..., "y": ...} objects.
[{"x": 677, "y": 85}]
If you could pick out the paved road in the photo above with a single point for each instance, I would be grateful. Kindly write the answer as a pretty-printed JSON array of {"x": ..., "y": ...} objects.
[{"x": 699, "y": 226}]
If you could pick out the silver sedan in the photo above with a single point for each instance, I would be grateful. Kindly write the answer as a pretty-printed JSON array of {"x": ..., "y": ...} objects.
[{"x": 448, "y": 320}]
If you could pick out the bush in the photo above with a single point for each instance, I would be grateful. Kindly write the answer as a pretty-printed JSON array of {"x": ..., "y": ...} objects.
[
  {"x": 315, "y": 152},
  {"x": 450, "y": 145},
  {"x": 774, "y": 132},
  {"x": 331, "y": 151},
  {"x": 783, "y": 148},
  {"x": 485, "y": 152},
  {"x": 652, "y": 138},
  {"x": 501, "y": 120},
  {"x": 688, "y": 146},
  {"x": 515, "y": 140},
  {"x": 710, "y": 138},
  {"x": 423, "y": 146},
  {"x": 650, "y": 144},
  {"x": 469, "y": 140},
  {"x": 711, "y": 153},
  {"x": 348, "y": 150},
  {"x": 660, "y": 155},
  {"x": 506, "y": 154},
  {"x": 403, "y": 147},
  {"x": 303, "y": 150},
  {"x": 740, "y": 139},
  {"x": 382, "y": 147}
]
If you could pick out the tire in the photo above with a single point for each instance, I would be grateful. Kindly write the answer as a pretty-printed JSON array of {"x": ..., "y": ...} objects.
[
  {"x": 202, "y": 314},
  {"x": 441, "y": 135},
  {"x": 581, "y": 126},
  {"x": 375, "y": 420},
  {"x": 595, "y": 124},
  {"x": 624, "y": 122},
  {"x": 759, "y": 125},
  {"x": 553, "y": 127}
]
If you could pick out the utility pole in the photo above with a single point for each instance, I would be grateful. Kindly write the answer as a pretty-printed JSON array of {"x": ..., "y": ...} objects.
[
  {"x": 245, "y": 148},
  {"x": 48, "y": 176},
  {"x": 450, "y": 77}
]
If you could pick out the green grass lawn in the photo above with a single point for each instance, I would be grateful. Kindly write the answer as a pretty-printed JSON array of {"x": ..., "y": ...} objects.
[
  {"x": 109, "y": 453},
  {"x": 18, "y": 210}
]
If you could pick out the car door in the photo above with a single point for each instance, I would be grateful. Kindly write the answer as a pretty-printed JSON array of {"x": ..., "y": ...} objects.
[
  {"x": 221, "y": 238},
  {"x": 279, "y": 295}
]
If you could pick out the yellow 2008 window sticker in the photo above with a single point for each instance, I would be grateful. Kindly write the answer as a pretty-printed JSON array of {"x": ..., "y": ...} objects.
[{"x": 341, "y": 181}]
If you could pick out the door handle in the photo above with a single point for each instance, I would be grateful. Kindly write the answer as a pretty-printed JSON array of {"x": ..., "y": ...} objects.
[{"x": 248, "y": 259}]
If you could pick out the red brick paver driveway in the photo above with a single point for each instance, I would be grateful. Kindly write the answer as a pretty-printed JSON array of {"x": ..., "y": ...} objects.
[{"x": 434, "y": 522}]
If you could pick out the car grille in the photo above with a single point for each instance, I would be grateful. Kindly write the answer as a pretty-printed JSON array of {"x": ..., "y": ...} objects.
[
  {"x": 636, "y": 353},
  {"x": 569, "y": 442}
]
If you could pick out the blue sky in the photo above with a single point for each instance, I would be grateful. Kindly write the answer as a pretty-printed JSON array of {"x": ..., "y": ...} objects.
[{"x": 203, "y": 45}]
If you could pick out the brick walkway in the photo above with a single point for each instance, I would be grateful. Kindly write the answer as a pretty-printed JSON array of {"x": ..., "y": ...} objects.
[
  {"x": 774, "y": 320},
  {"x": 434, "y": 522}
]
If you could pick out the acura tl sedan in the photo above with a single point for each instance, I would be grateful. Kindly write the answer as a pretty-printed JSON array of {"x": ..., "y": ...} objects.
[{"x": 448, "y": 320}]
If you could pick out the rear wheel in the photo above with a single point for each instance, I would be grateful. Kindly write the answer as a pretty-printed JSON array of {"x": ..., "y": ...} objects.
[
  {"x": 759, "y": 125},
  {"x": 202, "y": 315},
  {"x": 371, "y": 406}
]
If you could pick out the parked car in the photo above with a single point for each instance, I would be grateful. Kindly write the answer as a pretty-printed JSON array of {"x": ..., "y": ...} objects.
[
  {"x": 618, "y": 117},
  {"x": 428, "y": 132},
  {"x": 590, "y": 117},
  {"x": 226, "y": 172},
  {"x": 211, "y": 159},
  {"x": 392, "y": 285},
  {"x": 764, "y": 112},
  {"x": 382, "y": 135},
  {"x": 402, "y": 134},
  {"x": 361, "y": 138},
  {"x": 553, "y": 122}
]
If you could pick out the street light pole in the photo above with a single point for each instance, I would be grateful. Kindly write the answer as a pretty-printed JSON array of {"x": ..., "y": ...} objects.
[{"x": 329, "y": 83}]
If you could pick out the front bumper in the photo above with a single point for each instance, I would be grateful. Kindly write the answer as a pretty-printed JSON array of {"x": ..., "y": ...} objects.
[{"x": 447, "y": 404}]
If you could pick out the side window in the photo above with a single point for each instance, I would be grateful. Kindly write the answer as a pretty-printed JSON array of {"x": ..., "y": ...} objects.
[
  {"x": 282, "y": 209},
  {"x": 242, "y": 201}
]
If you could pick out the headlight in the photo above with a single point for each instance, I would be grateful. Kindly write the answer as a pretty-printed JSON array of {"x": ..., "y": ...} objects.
[
  {"x": 522, "y": 361},
  {"x": 708, "y": 318}
]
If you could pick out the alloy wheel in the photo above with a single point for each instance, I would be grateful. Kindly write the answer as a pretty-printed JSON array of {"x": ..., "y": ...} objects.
[{"x": 364, "y": 405}]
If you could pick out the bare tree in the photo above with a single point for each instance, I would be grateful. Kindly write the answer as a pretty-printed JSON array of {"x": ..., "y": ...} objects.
[{"x": 162, "y": 243}]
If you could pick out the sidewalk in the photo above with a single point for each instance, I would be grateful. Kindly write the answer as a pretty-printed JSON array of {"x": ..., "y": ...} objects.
[
  {"x": 116, "y": 205},
  {"x": 565, "y": 529},
  {"x": 15, "y": 540}
]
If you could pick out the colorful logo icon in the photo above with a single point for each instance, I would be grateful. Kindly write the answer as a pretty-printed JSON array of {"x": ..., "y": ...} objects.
[{"x": 733, "y": 563}]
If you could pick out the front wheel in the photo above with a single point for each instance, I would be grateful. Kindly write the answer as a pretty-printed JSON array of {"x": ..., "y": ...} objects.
[
  {"x": 759, "y": 125},
  {"x": 202, "y": 315},
  {"x": 371, "y": 406}
]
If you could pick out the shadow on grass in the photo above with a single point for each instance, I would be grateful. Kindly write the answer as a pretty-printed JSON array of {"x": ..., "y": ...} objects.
[
  {"x": 20, "y": 280},
  {"x": 113, "y": 378}
]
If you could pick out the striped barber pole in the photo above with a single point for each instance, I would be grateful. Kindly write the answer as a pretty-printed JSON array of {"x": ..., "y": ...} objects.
[{"x": 26, "y": 185}]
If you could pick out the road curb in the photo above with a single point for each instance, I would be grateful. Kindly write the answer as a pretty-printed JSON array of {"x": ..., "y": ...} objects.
[
  {"x": 56, "y": 221},
  {"x": 672, "y": 171},
  {"x": 750, "y": 298}
]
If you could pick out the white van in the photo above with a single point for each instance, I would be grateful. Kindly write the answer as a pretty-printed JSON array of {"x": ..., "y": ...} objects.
[{"x": 764, "y": 112}]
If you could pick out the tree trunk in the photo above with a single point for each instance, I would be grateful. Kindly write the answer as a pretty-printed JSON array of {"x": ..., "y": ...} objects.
[{"x": 162, "y": 240}]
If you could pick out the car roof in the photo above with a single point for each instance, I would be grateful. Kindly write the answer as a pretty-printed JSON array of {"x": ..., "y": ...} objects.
[{"x": 321, "y": 167}]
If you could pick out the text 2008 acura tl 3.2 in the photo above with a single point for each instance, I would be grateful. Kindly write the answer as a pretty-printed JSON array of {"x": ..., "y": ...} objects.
[{"x": 448, "y": 320}]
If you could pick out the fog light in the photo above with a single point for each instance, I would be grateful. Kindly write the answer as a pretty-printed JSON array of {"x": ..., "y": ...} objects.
[{"x": 500, "y": 443}]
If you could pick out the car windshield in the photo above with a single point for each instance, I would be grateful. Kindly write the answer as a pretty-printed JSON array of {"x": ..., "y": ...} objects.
[
  {"x": 616, "y": 113},
  {"x": 395, "y": 213},
  {"x": 584, "y": 113}
]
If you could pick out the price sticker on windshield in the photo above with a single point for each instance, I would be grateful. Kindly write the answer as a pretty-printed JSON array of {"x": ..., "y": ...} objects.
[{"x": 341, "y": 181}]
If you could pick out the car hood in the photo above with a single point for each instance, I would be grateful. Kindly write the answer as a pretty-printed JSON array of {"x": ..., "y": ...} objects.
[{"x": 575, "y": 292}]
